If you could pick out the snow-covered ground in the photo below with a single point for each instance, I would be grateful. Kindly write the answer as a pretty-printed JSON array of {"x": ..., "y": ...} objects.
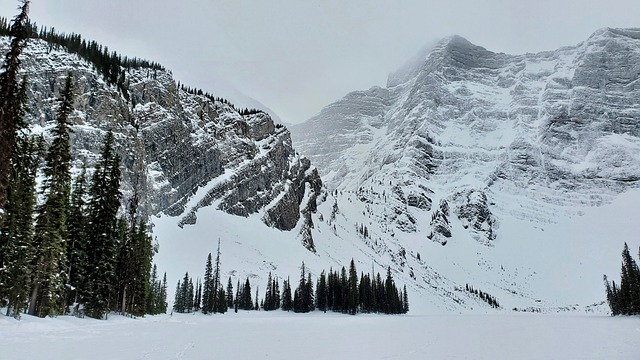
[{"x": 280, "y": 335}]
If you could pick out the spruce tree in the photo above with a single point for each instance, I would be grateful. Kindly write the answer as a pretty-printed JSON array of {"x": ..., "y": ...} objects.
[
  {"x": 229, "y": 296},
  {"x": 353, "y": 289},
  {"x": 216, "y": 282},
  {"x": 47, "y": 297},
  {"x": 163, "y": 295},
  {"x": 152, "y": 299},
  {"x": 207, "y": 288},
  {"x": 77, "y": 239},
  {"x": 11, "y": 103},
  {"x": 321, "y": 292},
  {"x": 102, "y": 246},
  {"x": 405, "y": 300},
  {"x": 268, "y": 300},
  {"x": 287, "y": 302},
  {"x": 16, "y": 234}
]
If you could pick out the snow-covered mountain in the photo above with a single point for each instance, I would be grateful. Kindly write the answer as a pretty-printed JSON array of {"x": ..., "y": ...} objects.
[
  {"x": 502, "y": 159},
  {"x": 177, "y": 140},
  {"x": 464, "y": 144}
]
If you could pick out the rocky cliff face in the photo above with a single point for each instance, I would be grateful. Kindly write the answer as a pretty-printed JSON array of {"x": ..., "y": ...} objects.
[
  {"x": 476, "y": 129},
  {"x": 184, "y": 151}
]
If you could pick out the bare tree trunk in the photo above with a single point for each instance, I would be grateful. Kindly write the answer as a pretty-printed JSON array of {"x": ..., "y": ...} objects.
[
  {"x": 124, "y": 300},
  {"x": 33, "y": 301}
]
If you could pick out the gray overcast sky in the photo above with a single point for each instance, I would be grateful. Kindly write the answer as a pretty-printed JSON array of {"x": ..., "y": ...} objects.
[{"x": 297, "y": 56}]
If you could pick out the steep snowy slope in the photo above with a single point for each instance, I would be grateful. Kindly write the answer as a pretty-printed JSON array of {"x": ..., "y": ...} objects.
[{"x": 465, "y": 145}]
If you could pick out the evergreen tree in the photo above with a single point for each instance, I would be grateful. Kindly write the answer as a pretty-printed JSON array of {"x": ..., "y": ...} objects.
[
  {"x": 178, "y": 301},
  {"x": 102, "y": 246},
  {"x": 269, "y": 302},
  {"x": 287, "y": 303},
  {"x": 153, "y": 296},
  {"x": 163, "y": 295},
  {"x": 353, "y": 289},
  {"x": 405, "y": 300},
  {"x": 16, "y": 235},
  {"x": 222, "y": 301},
  {"x": 216, "y": 282},
  {"x": 47, "y": 297},
  {"x": 11, "y": 103},
  {"x": 236, "y": 301},
  {"x": 77, "y": 239},
  {"x": 629, "y": 295},
  {"x": 198, "y": 299},
  {"x": 245, "y": 297},
  {"x": 207, "y": 288},
  {"x": 321, "y": 292},
  {"x": 229, "y": 297}
]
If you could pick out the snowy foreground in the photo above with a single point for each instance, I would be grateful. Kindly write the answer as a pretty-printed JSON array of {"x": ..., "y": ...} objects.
[{"x": 278, "y": 335}]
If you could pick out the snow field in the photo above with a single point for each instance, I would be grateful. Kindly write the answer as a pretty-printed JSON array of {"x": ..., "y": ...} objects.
[{"x": 280, "y": 335}]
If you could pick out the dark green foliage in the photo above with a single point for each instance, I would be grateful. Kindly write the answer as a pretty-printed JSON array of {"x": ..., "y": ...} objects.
[
  {"x": 51, "y": 223},
  {"x": 287, "y": 302},
  {"x": 303, "y": 296},
  {"x": 272, "y": 295},
  {"x": 11, "y": 101},
  {"x": 134, "y": 262},
  {"x": 197, "y": 301},
  {"x": 229, "y": 296},
  {"x": 221, "y": 302},
  {"x": 372, "y": 294},
  {"x": 625, "y": 299},
  {"x": 216, "y": 285},
  {"x": 77, "y": 240},
  {"x": 183, "y": 302},
  {"x": 484, "y": 296},
  {"x": 16, "y": 236},
  {"x": 208, "y": 290},
  {"x": 353, "y": 298},
  {"x": 244, "y": 296},
  {"x": 321, "y": 292},
  {"x": 157, "y": 295},
  {"x": 103, "y": 236}
]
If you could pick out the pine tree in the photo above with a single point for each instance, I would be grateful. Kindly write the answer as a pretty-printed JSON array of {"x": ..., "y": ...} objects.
[
  {"x": 11, "y": 104},
  {"x": 222, "y": 301},
  {"x": 208, "y": 289},
  {"x": 47, "y": 297},
  {"x": 102, "y": 246},
  {"x": 229, "y": 296},
  {"x": 246, "y": 303},
  {"x": 178, "y": 301},
  {"x": 77, "y": 239},
  {"x": 268, "y": 295},
  {"x": 405, "y": 300},
  {"x": 321, "y": 293},
  {"x": 353, "y": 289},
  {"x": 629, "y": 296},
  {"x": 16, "y": 235},
  {"x": 236, "y": 301},
  {"x": 152, "y": 299},
  {"x": 216, "y": 282},
  {"x": 287, "y": 303},
  {"x": 198, "y": 299},
  {"x": 163, "y": 295}
]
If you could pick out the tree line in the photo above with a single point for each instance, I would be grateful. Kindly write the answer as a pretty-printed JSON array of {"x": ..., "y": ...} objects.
[
  {"x": 342, "y": 291},
  {"x": 69, "y": 252},
  {"x": 483, "y": 295},
  {"x": 624, "y": 299},
  {"x": 109, "y": 64}
]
